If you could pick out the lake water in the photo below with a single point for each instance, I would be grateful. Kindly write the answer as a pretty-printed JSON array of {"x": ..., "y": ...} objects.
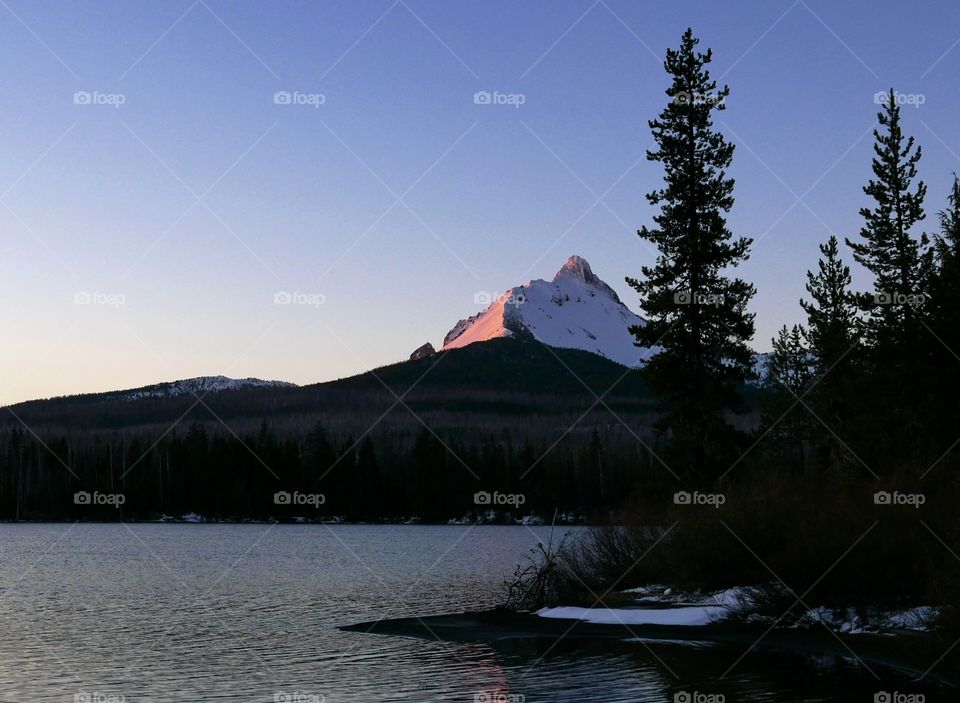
[{"x": 188, "y": 613}]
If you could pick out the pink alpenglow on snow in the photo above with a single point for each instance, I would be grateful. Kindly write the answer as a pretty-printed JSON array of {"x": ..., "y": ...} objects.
[{"x": 576, "y": 310}]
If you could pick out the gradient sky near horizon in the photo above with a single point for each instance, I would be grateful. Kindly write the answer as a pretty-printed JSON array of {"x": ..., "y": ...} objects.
[{"x": 398, "y": 199}]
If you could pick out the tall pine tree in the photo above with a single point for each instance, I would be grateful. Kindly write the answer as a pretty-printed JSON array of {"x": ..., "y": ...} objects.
[
  {"x": 696, "y": 314},
  {"x": 901, "y": 265},
  {"x": 833, "y": 335},
  {"x": 945, "y": 320},
  {"x": 899, "y": 262},
  {"x": 832, "y": 310}
]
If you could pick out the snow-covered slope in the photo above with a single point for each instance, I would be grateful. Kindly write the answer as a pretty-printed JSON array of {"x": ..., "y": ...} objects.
[
  {"x": 576, "y": 310},
  {"x": 197, "y": 386}
]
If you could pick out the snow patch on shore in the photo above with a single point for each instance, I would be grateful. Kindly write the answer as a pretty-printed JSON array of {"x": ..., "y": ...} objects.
[
  {"x": 660, "y": 605},
  {"x": 689, "y": 616}
]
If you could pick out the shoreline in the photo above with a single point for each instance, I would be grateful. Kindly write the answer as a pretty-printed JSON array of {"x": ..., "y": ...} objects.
[
  {"x": 378, "y": 523},
  {"x": 905, "y": 651}
]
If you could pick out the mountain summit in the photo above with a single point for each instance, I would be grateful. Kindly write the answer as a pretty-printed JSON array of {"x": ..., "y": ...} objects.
[
  {"x": 577, "y": 267},
  {"x": 576, "y": 310}
]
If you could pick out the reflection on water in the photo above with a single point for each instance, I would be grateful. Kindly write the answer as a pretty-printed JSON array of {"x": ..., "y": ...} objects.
[{"x": 192, "y": 613}]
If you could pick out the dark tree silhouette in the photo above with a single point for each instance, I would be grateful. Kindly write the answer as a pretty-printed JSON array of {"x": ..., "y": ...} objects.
[{"x": 696, "y": 313}]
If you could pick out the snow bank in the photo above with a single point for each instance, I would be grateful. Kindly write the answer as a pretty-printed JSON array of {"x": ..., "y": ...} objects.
[{"x": 689, "y": 616}]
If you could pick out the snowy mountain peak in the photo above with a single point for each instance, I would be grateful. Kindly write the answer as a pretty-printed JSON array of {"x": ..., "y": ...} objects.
[
  {"x": 577, "y": 267},
  {"x": 576, "y": 310}
]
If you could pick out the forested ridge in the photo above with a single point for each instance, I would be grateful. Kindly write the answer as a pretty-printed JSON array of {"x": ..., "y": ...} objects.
[{"x": 411, "y": 440}]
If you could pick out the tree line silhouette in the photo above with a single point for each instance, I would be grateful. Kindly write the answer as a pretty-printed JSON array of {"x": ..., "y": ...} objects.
[{"x": 208, "y": 471}]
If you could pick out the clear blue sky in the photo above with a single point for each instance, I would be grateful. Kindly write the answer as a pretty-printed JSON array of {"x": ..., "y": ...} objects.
[{"x": 198, "y": 198}]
